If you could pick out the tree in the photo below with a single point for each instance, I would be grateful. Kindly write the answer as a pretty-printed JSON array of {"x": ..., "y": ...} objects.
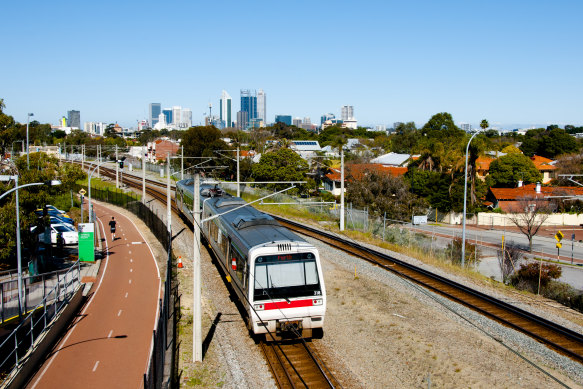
[
  {"x": 507, "y": 170},
  {"x": 405, "y": 138},
  {"x": 484, "y": 124},
  {"x": 528, "y": 214},
  {"x": 280, "y": 165},
  {"x": 549, "y": 142},
  {"x": 508, "y": 260}
]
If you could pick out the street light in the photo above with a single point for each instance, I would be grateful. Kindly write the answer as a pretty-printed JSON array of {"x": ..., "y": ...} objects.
[
  {"x": 18, "y": 254},
  {"x": 465, "y": 201},
  {"x": 89, "y": 188},
  {"x": 27, "y": 120}
]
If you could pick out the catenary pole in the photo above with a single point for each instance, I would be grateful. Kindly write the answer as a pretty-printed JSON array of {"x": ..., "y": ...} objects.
[
  {"x": 144, "y": 179},
  {"x": 238, "y": 184},
  {"x": 116, "y": 169},
  {"x": 182, "y": 164},
  {"x": 197, "y": 308},
  {"x": 168, "y": 199},
  {"x": 341, "y": 189}
]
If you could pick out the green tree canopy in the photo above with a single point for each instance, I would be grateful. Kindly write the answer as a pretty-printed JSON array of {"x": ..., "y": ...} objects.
[
  {"x": 549, "y": 143},
  {"x": 507, "y": 170},
  {"x": 280, "y": 165}
]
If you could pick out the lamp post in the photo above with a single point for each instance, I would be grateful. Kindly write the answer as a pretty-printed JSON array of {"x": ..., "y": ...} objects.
[
  {"x": 18, "y": 252},
  {"x": 27, "y": 120},
  {"x": 465, "y": 201},
  {"x": 89, "y": 188}
]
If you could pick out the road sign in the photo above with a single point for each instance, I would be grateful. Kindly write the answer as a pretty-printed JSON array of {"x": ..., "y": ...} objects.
[
  {"x": 559, "y": 245},
  {"x": 559, "y": 235},
  {"x": 86, "y": 242},
  {"x": 82, "y": 192}
]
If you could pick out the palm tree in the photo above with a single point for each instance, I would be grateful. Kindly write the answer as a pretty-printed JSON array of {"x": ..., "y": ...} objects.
[{"x": 484, "y": 124}]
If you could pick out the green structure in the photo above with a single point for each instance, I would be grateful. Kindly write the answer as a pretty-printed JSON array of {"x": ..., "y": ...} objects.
[{"x": 86, "y": 242}]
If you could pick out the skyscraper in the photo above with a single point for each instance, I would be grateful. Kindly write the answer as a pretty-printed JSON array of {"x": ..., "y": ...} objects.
[
  {"x": 287, "y": 119},
  {"x": 186, "y": 120},
  {"x": 249, "y": 103},
  {"x": 74, "y": 119},
  {"x": 347, "y": 112},
  {"x": 176, "y": 116},
  {"x": 225, "y": 109},
  {"x": 155, "y": 110},
  {"x": 242, "y": 120},
  {"x": 327, "y": 116},
  {"x": 167, "y": 115},
  {"x": 261, "y": 106}
]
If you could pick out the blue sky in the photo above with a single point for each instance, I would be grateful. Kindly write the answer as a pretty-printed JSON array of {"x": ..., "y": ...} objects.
[{"x": 511, "y": 62}]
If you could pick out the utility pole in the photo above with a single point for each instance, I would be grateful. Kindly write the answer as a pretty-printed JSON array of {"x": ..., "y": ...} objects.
[
  {"x": 168, "y": 200},
  {"x": 341, "y": 188},
  {"x": 144, "y": 179},
  {"x": 197, "y": 308},
  {"x": 116, "y": 169},
  {"x": 238, "y": 185},
  {"x": 182, "y": 165},
  {"x": 82, "y": 156},
  {"x": 98, "y": 159}
]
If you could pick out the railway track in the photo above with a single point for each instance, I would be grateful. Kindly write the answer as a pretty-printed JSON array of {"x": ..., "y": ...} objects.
[
  {"x": 295, "y": 365},
  {"x": 559, "y": 338},
  {"x": 563, "y": 340}
]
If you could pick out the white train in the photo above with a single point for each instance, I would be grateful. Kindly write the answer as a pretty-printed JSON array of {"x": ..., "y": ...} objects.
[{"x": 276, "y": 274}]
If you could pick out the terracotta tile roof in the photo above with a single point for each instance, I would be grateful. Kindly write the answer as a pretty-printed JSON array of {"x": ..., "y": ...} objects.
[
  {"x": 542, "y": 163},
  {"x": 513, "y": 194},
  {"x": 359, "y": 170},
  {"x": 483, "y": 163}
]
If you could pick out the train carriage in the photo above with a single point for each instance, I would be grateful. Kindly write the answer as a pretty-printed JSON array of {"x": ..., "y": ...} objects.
[{"x": 276, "y": 274}]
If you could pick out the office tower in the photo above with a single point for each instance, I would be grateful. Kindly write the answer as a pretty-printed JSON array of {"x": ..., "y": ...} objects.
[
  {"x": 249, "y": 103},
  {"x": 287, "y": 119},
  {"x": 327, "y": 116},
  {"x": 155, "y": 110},
  {"x": 74, "y": 119},
  {"x": 307, "y": 120},
  {"x": 347, "y": 112},
  {"x": 168, "y": 115},
  {"x": 297, "y": 122},
  {"x": 186, "y": 119},
  {"x": 467, "y": 127},
  {"x": 225, "y": 109},
  {"x": 261, "y": 105},
  {"x": 176, "y": 115},
  {"x": 242, "y": 120}
]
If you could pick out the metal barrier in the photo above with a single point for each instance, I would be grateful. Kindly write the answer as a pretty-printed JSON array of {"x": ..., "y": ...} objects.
[
  {"x": 21, "y": 341},
  {"x": 34, "y": 291}
]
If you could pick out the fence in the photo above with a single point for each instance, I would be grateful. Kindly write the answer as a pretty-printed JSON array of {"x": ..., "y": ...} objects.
[
  {"x": 162, "y": 370},
  {"x": 20, "y": 342}
]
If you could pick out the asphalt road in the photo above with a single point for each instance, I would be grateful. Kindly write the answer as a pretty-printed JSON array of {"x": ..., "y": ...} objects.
[{"x": 108, "y": 344}]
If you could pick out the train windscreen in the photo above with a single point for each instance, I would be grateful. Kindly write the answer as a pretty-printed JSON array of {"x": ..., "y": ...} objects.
[{"x": 285, "y": 276}]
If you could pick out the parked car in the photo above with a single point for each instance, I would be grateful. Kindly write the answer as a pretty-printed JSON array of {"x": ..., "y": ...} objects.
[
  {"x": 70, "y": 237},
  {"x": 53, "y": 213},
  {"x": 54, "y": 208}
]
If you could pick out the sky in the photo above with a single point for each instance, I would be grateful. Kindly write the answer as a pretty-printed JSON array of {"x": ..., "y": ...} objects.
[{"x": 515, "y": 63}]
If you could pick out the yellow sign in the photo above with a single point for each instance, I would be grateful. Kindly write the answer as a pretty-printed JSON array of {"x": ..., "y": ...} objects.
[
  {"x": 82, "y": 192},
  {"x": 559, "y": 235},
  {"x": 559, "y": 245}
]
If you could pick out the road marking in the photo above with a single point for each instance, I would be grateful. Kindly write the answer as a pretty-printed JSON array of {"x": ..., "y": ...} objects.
[
  {"x": 95, "y": 367},
  {"x": 130, "y": 281},
  {"x": 130, "y": 251},
  {"x": 131, "y": 260},
  {"x": 131, "y": 270},
  {"x": 128, "y": 245},
  {"x": 137, "y": 242},
  {"x": 119, "y": 313},
  {"x": 126, "y": 294},
  {"x": 110, "y": 333}
]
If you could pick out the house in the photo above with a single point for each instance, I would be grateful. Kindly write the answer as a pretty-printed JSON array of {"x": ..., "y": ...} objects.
[
  {"x": 305, "y": 148},
  {"x": 158, "y": 150},
  {"x": 483, "y": 166},
  {"x": 545, "y": 166},
  {"x": 392, "y": 159},
  {"x": 507, "y": 199},
  {"x": 332, "y": 180}
]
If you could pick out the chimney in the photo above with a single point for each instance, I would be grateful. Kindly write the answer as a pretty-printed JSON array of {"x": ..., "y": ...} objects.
[
  {"x": 520, "y": 183},
  {"x": 538, "y": 187}
]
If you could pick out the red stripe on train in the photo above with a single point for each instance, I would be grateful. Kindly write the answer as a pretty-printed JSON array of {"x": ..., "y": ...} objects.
[{"x": 291, "y": 304}]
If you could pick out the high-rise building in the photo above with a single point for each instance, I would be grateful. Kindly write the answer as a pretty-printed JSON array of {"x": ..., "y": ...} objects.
[
  {"x": 249, "y": 103},
  {"x": 297, "y": 122},
  {"x": 176, "y": 116},
  {"x": 287, "y": 119},
  {"x": 347, "y": 112},
  {"x": 74, "y": 119},
  {"x": 168, "y": 115},
  {"x": 225, "y": 109},
  {"x": 155, "y": 110},
  {"x": 327, "y": 116},
  {"x": 261, "y": 105},
  {"x": 467, "y": 127},
  {"x": 242, "y": 120},
  {"x": 94, "y": 128},
  {"x": 186, "y": 118}
]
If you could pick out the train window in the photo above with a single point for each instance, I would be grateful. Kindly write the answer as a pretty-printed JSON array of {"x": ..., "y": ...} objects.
[
  {"x": 223, "y": 242},
  {"x": 241, "y": 265},
  {"x": 291, "y": 275},
  {"x": 214, "y": 230}
]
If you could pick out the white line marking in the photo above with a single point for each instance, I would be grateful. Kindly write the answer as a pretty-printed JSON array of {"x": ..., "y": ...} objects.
[
  {"x": 130, "y": 281},
  {"x": 126, "y": 294},
  {"x": 131, "y": 270},
  {"x": 131, "y": 260},
  {"x": 128, "y": 245},
  {"x": 119, "y": 313},
  {"x": 95, "y": 367},
  {"x": 130, "y": 251},
  {"x": 110, "y": 333},
  {"x": 137, "y": 242},
  {"x": 89, "y": 303}
]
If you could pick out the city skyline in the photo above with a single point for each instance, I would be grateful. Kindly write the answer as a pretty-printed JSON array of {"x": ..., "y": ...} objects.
[{"x": 424, "y": 58}]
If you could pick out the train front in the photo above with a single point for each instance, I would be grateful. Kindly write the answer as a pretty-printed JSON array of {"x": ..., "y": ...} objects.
[{"x": 288, "y": 298}]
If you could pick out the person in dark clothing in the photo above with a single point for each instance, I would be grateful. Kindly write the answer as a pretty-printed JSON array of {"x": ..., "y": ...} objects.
[{"x": 112, "y": 227}]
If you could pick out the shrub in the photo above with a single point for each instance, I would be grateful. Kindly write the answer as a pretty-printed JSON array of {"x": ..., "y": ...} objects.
[
  {"x": 529, "y": 274},
  {"x": 564, "y": 294},
  {"x": 454, "y": 251}
]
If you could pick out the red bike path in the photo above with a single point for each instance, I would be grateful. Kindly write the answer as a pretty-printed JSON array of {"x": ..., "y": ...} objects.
[{"x": 108, "y": 344}]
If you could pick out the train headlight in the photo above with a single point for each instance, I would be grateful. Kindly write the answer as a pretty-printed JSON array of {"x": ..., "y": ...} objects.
[
  {"x": 318, "y": 301},
  {"x": 259, "y": 307}
]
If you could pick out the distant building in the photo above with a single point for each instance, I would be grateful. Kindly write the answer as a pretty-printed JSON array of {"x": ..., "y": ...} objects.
[
  {"x": 186, "y": 118},
  {"x": 74, "y": 119},
  {"x": 326, "y": 117},
  {"x": 297, "y": 122},
  {"x": 287, "y": 119},
  {"x": 261, "y": 105},
  {"x": 94, "y": 128},
  {"x": 155, "y": 110},
  {"x": 350, "y": 123},
  {"x": 467, "y": 127},
  {"x": 396, "y": 124},
  {"x": 249, "y": 103},
  {"x": 256, "y": 123},
  {"x": 167, "y": 115},
  {"x": 242, "y": 120},
  {"x": 347, "y": 112},
  {"x": 225, "y": 109},
  {"x": 158, "y": 150},
  {"x": 380, "y": 128},
  {"x": 176, "y": 115}
]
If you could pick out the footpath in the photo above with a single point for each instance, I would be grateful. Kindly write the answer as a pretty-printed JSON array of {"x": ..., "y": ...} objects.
[{"x": 108, "y": 343}]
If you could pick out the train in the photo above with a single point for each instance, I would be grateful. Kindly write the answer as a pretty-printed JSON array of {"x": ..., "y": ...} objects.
[{"x": 276, "y": 275}]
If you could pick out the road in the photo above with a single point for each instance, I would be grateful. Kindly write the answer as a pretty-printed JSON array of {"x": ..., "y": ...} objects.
[{"x": 108, "y": 344}]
